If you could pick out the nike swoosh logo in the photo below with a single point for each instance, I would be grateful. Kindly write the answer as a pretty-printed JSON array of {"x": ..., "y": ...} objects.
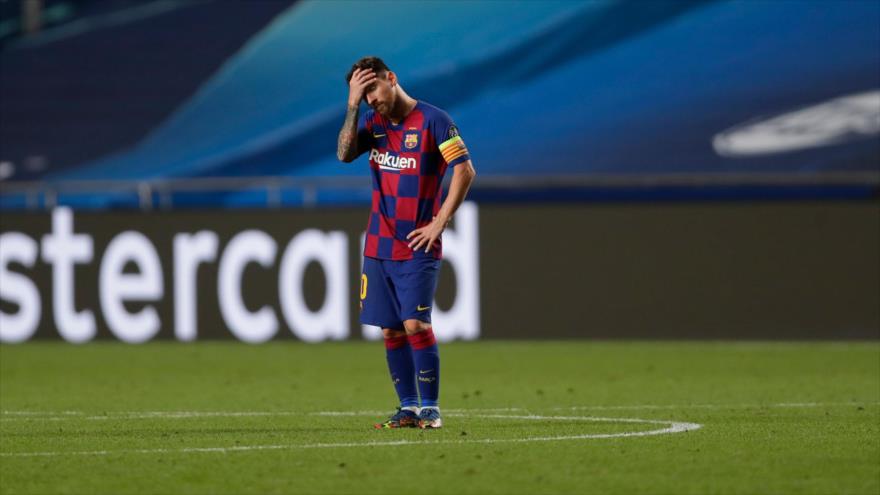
[
  {"x": 378, "y": 135},
  {"x": 422, "y": 308},
  {"x": 422, "y": 372}
]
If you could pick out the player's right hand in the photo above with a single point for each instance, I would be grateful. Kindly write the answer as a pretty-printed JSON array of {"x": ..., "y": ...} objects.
[{"x": 360, "y": 79}]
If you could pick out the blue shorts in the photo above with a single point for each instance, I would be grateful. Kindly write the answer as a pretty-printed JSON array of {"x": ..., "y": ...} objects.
[{"x": 394, "y": 291}]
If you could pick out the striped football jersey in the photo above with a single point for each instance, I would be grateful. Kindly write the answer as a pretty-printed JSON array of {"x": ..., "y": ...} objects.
[{"x": 407, "y": 164}]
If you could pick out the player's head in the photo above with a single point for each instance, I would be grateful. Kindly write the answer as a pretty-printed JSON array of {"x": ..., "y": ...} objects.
[{"x": 383, "y": 92}]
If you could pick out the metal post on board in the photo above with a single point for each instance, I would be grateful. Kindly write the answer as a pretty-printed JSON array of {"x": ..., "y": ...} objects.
[
  {"x": 164, "y": 199},
  {"x": 50, "y": 199},
  {"x": 145, "y": 195}
]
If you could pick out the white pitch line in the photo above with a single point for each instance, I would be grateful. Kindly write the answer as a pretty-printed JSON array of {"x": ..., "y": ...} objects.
[
  {"x": 189, "y": 414},
  {"x": 445, "y": 411},
  {"x": 126, "y": 415},
  {"x": 348, "y": 413},
  {"x": 674, "y": 427},
  {"x": 644, "y": 407},
  {"x": 41, "y": 413},
  {"x": 569, "y": 418}
]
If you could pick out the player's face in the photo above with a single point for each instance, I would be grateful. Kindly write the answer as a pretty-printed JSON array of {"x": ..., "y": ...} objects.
[{"x": 380, "y": 94}]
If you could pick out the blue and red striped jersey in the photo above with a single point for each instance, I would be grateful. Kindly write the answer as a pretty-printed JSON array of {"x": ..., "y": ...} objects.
[{"x": 407, "y": 164}]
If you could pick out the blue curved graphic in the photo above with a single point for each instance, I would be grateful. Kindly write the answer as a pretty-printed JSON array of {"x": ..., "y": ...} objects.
[{"x": 539, "y": 88}]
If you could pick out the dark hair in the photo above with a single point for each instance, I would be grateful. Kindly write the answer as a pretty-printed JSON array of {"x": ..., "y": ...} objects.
[{"x": 374, "y": 63}]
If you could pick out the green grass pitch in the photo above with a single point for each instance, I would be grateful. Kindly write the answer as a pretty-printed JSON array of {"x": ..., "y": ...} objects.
[{"x": 520, "y": 417}]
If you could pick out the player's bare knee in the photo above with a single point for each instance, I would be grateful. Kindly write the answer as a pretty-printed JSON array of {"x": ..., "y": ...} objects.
[
  {"x": 389, "y": 333},
  {"x": 413, "y": 327}
]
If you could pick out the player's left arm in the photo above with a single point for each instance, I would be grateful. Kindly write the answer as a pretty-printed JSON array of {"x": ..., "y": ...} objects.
[{"x": 463, "y": 175}]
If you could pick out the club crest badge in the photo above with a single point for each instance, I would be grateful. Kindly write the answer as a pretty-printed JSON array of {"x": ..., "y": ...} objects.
[{"x": 411, "y": 140}]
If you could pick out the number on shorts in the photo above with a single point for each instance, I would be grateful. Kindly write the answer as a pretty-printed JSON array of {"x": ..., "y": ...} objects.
[{"x": 363, "y": 286}]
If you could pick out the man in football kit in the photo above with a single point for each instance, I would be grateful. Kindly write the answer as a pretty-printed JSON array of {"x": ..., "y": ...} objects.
[{"x": 411, "y": 144}]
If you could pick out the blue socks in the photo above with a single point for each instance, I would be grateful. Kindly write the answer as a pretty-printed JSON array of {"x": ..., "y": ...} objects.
[
  {"x": 403, "y": 374},
  {"x": 427, "y": 366},
  {"x": 414, "y": 363}
]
